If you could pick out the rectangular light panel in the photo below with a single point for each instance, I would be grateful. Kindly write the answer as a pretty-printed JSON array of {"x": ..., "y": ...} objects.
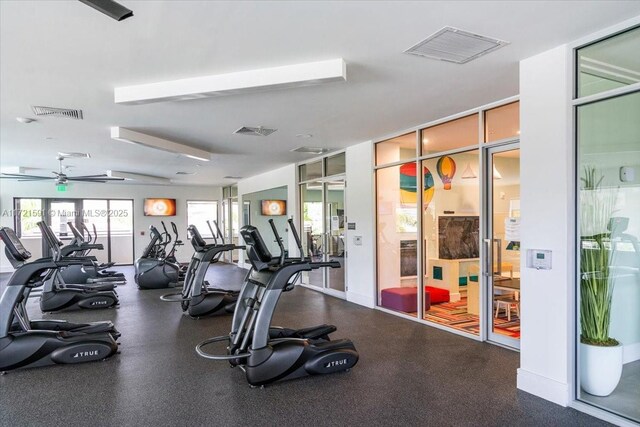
[
  {"x": 133, "y": 137},
  {"x": 311, "y": 73}
]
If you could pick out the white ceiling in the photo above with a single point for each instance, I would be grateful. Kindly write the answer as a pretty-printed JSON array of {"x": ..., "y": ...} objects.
[{"x": 65, "y": 54}]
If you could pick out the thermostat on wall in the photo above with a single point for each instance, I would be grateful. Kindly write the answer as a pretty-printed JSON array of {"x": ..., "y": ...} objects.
[{"x": 540, "y": 259}]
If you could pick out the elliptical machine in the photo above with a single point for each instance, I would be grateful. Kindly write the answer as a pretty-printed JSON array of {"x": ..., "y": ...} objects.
[
  {"x": 152, "y": 270},
  {"x": 27, "y": 348},
  {"x": 197, "y": 298},
  {"x": 57, "y": 295},
  {"x": 22, "y": 322},
  {"x": 87, "y": 273},
  {"x": 250, "y": 345}
]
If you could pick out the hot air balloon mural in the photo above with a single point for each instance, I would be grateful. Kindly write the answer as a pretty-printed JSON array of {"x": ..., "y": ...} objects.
[
  {"x": 408, "y": 191},
  {"x": 446, "y": 168}
]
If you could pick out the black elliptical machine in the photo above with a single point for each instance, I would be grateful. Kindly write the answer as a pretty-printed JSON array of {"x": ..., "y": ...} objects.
[
  {"x": 265, "y": 359},
  {"x": 171, "y": 255},
  {"x": 85, "y": 273},
  {"x": 33, "y": 344},
  {"x": 59, "y": 295},
  {"x": 152, "y": 269},
  {"x": 197, "y": 298}
]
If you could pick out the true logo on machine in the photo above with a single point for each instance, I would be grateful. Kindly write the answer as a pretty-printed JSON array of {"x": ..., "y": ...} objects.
[
  {"x": 335, "y": 363},
  {"x": 85, "y": 353},
  {"x": 103, "y": 302}
]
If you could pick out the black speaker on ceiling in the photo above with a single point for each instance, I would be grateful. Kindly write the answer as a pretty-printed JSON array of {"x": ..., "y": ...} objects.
[{"x": 110, "y": 8}]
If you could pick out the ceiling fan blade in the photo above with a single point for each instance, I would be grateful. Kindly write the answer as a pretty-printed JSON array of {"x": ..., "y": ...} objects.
[
  {"x": 91, "y": 176},
  {"x": 88, "y": 180},
  {"x": 20, "y": 175},
  {"x": 35, "y": 179}
]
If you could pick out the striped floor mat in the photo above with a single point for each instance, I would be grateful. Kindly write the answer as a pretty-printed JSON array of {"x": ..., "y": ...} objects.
[{"x": 454, "y": 315}]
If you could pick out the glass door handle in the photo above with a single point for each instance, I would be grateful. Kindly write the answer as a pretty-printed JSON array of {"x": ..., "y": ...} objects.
[{"x": 487, "y": 257}]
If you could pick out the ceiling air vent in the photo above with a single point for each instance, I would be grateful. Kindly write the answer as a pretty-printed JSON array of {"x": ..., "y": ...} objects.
[
  {"x": 259, "y": 131},
  {"x": 57, "y": 112},
  {"x": 232, "y": 177},
  {"x": 454, "y": 45},
  {"x": 67, "y": 155},
  {"x": 310, "y": 150}
]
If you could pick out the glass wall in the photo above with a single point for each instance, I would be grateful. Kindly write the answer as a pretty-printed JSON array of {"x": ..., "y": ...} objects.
[
  {"x": 397, "y": 237},
  {"x": 608, "y": 215},
  {"x": 451, "y": 240},
  {"x": 429, "y": 218},
  {"x": 323, "y": 212}
]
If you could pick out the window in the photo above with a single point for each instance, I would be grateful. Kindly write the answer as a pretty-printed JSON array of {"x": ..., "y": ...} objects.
[
  {"x": 609, "y": 64},
  {"x": 392, "y": 150},
  {"x": 199, "y": 212},
  {"x": 458, "y": 133},
  {"x": 311, "y": 171},
  {"x": 113, "y": 221},
  {"x": 335, "y": 165},
  {"x": 502, "y": 122}
]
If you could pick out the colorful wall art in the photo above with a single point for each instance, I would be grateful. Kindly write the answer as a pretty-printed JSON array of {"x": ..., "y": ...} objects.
[
  {"x": 408, "y": 191},
  {"x": 446, "y": 168}
]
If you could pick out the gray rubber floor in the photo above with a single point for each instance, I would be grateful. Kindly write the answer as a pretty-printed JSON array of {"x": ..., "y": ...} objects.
[{"x": 408, "y": 374}]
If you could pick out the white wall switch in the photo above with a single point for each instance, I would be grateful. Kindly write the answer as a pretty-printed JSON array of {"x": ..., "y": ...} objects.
[
  {"x": 627, "y": 174},
  {"x": 540, "y": 259}
]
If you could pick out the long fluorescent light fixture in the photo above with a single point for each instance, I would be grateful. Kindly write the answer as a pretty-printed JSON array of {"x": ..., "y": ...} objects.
[
  {"x": 289, "y": 76},
  {"x": 133, "y": 137},
  {"x": 147, "y": 179},
  {"x": 110, "y": 8}
]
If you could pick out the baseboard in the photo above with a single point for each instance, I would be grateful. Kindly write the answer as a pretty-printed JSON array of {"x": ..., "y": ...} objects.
[
  {"x": 546, "y": 388},
  {"x": 365, "y": 300},
  {"x": 631, "y": 353}
]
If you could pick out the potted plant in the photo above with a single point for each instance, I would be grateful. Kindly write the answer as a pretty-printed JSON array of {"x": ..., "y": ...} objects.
[{"x": 600, "y": 355}]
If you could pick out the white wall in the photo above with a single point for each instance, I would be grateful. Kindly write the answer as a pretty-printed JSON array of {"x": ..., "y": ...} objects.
[
  {"x": 12, "y": 189},
  {"x": 547, "y": 322},
  {"x": 359, "y": 196},
  {"x": 284, "y": 176}
]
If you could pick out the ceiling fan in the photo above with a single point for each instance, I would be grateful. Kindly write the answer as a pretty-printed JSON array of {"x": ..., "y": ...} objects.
[{"x": 60, "y": 177}]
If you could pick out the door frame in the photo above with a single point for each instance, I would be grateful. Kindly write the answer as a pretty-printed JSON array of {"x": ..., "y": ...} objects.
[
  {"x": 325, "y": 277},
  {"x": 486, "y": 251}
]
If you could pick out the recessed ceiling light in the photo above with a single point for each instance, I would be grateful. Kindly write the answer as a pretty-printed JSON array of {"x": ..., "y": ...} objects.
[
  {"x": 25, "y": 120},
  {"x": 304, "y": 135}
]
